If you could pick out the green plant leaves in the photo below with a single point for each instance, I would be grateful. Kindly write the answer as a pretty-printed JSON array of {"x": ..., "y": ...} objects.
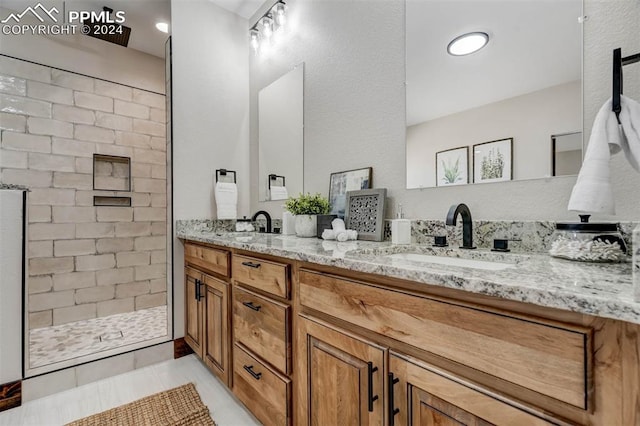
[{"x": 307, "y": 204}]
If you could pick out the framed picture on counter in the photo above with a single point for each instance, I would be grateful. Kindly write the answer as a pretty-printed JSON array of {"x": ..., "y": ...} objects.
[{"x": 341, "y": 182}]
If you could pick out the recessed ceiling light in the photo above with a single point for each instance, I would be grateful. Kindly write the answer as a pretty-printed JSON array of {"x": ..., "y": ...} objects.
[
  {"x": 162, "y": 26},
  {"x": 467, "y": 43}
]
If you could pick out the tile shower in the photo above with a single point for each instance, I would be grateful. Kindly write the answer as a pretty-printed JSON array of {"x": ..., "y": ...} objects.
[{"x": 93, "y": 154}]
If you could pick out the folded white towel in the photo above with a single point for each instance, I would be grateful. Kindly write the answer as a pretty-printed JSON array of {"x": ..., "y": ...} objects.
[
  {"x": 338, "y": 225},
  {"x": 226, "y": 194},
  {"x": 328, "y": 234},
  {"x": 279, "y": 193},
  {"x": 339, "y": 232},
  {"x": 592, "y": 191},
  {"x": 347, "y": 235}
]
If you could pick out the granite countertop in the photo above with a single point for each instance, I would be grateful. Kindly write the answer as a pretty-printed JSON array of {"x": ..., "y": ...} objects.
[
  {"x": 604, "y": 290},
  {"x": 9, "y": 186}
]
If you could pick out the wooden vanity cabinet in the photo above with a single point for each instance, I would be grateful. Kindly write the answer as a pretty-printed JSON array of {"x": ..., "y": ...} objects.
[
  {"x": 262, "y": 324},
  {"x": 420, "y": 394},
  {"x": 207, "y": 300},
  {"x": 340, "y": 376},
  {"x": 449, "y": 362},
  {"x": 307, "y": 344},
  {"x": 193, "y": 333}
]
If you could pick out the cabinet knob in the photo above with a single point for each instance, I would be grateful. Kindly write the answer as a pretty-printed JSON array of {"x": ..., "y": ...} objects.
[{"x": 251, "y": 265}]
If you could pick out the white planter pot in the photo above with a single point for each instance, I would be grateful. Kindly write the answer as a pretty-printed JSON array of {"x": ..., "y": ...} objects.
[{"x": 306, "y": 225}]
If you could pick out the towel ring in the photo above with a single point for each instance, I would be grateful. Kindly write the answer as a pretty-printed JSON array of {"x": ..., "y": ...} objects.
[
  {"x": 224, "y": 172},
  {"x": 276, "y": 177}
]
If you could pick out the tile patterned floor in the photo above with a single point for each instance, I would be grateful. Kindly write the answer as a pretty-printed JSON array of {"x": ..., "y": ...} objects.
[{"x": 49, "y": 345}]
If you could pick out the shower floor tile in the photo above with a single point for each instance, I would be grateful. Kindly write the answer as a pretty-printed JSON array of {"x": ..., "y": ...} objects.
[{"x": 49, "y": 345}]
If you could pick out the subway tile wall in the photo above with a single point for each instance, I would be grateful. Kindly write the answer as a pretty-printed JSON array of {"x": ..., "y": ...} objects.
[{"x": 85, "y": 261}]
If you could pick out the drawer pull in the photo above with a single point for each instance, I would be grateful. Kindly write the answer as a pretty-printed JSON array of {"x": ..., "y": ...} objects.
[
  {"x": 249, "y": 369},
  {"x": 251, "y": 265},
  {"x": 392, "y": 411},
  {"x": 250, "y": 305},
  {"x": 371, "y": 397},
  {"x": 196, "y": 286}
]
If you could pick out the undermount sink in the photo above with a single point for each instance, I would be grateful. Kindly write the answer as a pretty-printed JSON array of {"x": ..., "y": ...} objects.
[{"x": 451, "y": 261}]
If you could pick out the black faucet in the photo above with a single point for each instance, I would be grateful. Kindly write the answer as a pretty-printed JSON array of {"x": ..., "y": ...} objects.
[
  {"x": 467, "y": 225},
  {"x": 266, "y": 215}
]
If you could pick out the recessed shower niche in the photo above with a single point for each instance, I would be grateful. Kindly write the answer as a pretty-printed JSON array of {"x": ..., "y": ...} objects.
[{"x": 111, "y": 173}]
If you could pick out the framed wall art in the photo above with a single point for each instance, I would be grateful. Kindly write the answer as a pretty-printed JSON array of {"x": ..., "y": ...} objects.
[
  {"x": 365, "y": 213},
  {"x": 452, "y": 167},
  {"x": 493, "y": 161},
  {"x": 341, "y": 182}
]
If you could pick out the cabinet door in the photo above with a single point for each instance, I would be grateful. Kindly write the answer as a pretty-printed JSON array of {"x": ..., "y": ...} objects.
[
  {"x": 426, "y": 396},
  {"x": 193, "y": 310},
  {"x": 340, "y": 377},
  {"x": 216, "y": 327}
]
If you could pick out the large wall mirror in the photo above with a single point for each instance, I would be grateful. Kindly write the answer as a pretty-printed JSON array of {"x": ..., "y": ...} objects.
[
  {"x": 280, "y": 136},
  {"x": 501, "y": 113}
]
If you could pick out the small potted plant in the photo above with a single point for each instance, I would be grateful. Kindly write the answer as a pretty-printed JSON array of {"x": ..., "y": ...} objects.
[{"x": 305, "y": 208}]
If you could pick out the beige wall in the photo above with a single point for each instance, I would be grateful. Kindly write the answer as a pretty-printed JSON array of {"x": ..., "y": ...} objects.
[
  {"x": 210, "y": 116},
  {"x": 355, "y": 112},
  {"x": 85, "y": 261},
  {"x": 529, "y": 119}
]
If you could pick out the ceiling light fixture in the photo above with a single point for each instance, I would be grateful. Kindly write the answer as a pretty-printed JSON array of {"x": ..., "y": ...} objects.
[
  {"x": 162, "y": 26},
  {"x": 272, "y": 20},
  {"x": 467, "y": 44}
]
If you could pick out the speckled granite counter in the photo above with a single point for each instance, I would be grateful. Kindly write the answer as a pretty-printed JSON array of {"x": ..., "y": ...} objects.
[
  {"x": 9, "y": 186},
  {"x": 604, "y": 290}
]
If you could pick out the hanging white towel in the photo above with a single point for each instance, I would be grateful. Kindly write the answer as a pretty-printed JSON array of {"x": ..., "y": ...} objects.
[
  {"x": 592, "y": 192},
  {"x": 279, "y": 193},
  {"x": 226, "y": 194}
]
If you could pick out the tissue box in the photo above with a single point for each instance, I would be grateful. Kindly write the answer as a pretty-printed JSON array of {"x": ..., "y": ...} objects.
[{"x": 324, "y": 222}]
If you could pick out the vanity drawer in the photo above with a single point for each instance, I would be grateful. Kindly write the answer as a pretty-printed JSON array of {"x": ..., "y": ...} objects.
[
  {"x": 266, "y": 393},
  {"x": 271, "y": 277},
  {"x": 262, "y": 325},
  {"x": 213, "y": 260},
  {"x": 548, "y": 357}
]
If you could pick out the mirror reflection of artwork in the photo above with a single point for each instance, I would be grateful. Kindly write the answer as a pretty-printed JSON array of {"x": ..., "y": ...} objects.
[
  {"x": 452, "y": 167},
  {"x": 493, "y": 161},
  {"x": 341, "y": 182},
  {"x": 525, "y": 82}
]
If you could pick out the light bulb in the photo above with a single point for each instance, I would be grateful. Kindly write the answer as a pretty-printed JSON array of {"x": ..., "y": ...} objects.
[
  {"x": 162, "y": 26},
  {"x": 279, "y": 12},
  {"x": 267, "y": 27},
  {"x": 255, "y": 40}
]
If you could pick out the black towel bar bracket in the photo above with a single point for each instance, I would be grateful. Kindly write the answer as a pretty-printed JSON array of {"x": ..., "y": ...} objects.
[
  {"x": 618, "y": 63},
  {"x": 273, "y": 177},
  {"x": 224, "y": 172}
]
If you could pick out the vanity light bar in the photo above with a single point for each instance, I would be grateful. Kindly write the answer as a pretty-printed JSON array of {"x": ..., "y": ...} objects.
[{"x": 273, "y": 19}]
